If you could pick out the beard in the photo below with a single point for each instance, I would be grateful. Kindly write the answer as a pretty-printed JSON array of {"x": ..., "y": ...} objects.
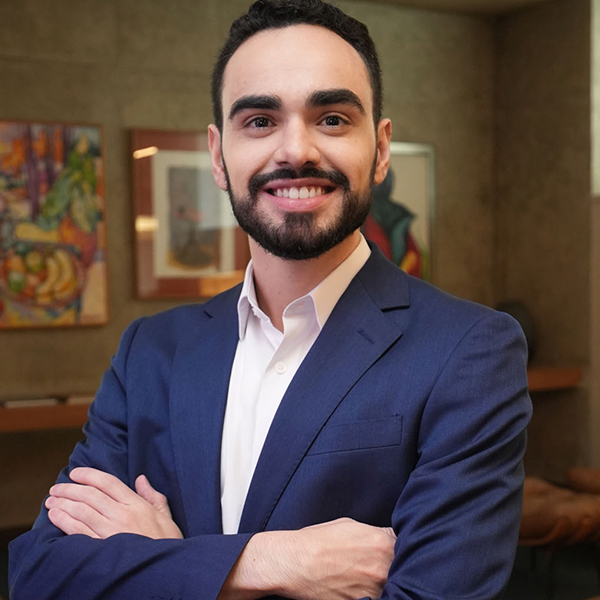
[{"x": 300, "y": 236}]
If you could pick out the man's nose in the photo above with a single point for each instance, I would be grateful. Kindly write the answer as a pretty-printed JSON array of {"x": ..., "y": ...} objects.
[{"x": 297, "y": 145}]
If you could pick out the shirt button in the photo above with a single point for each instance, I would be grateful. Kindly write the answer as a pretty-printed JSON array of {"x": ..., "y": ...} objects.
[{"x": 280, "y": 368}]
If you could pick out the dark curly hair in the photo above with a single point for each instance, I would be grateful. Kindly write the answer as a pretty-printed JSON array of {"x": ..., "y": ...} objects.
[{"x": 277, "y": 14}]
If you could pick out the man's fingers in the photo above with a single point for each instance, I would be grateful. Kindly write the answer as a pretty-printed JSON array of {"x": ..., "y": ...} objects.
[
  {"x": 81, "y": 512},
  {"x": 91, "y": 496},
  {"x": 150, "y": 495},
  {"x": 100, "y": 504},
  {"x": 67, "y": 524},
  {"x": 105, "y": 482}
]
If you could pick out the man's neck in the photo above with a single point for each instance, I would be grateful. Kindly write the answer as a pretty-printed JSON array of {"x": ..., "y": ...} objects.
[{"x": 279, "y": 282}]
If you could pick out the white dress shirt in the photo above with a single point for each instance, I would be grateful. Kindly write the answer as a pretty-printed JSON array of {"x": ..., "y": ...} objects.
[{"x": 265, "y": 363}]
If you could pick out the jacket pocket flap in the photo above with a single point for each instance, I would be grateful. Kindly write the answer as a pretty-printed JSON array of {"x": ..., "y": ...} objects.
[{"x": 359, "y": 435}]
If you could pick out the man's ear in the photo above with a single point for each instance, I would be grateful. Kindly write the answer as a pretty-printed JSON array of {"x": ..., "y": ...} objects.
[
  {"x": 384, "y": 136},
  {"x": 216, "y": 157}
]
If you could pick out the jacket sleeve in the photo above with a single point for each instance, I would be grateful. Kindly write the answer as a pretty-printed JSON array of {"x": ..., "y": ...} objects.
[
  {"x": 44, "y": 563},
  {"x": 457, "y": 518}
]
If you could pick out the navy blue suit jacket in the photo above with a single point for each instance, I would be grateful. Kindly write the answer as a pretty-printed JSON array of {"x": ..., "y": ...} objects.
[{"x": 409, "y": 411}]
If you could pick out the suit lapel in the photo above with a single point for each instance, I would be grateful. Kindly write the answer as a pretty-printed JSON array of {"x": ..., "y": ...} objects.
[
  {"x": 198, "y": 394},
  {"x": 356, "y": 334}
]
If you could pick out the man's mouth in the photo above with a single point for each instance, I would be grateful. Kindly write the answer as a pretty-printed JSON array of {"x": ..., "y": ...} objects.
[{"x": 301, "y": 192}]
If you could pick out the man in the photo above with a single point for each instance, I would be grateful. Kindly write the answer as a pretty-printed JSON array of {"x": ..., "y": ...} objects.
[{"x": 280, "y": 436}]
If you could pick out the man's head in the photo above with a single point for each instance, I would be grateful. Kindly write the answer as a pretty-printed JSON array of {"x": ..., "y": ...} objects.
[
  {"x": 277, "y": 14},
  {"x": 296, "y": 148}
]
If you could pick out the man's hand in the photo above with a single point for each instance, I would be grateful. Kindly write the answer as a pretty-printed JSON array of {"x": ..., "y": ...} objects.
[
  {"x": 338, "y": 560},
  {"x": 100, "y": 505},
  {"x": 346, "y": 559}
]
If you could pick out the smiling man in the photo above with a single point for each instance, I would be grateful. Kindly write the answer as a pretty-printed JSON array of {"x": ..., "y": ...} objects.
[
  {"x": 330, "y": 429},
  {"x": 304, "y": 156}
]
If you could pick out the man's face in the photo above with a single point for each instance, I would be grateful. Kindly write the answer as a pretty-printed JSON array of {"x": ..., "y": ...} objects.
[{"x": 298, "y": 152}]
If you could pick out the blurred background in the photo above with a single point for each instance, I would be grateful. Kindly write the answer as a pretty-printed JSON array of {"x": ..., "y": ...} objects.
[{"x": 505, "y": 91}]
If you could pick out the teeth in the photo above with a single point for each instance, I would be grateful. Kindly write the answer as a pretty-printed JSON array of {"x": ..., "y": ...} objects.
[{"x": 302, "y": 193}]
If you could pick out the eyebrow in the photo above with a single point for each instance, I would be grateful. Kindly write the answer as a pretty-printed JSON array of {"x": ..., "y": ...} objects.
[
  {"x": 264, "y": 102},
  {"x": 335, "y": 96},
  {"x": 316, "y": 99}
]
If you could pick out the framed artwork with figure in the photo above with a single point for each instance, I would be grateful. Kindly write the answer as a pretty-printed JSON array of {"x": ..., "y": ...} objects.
[
  {"x": 188, "y": 243},
  {"x": 401, "y": 218},
  {"x": 52, "y": 225}
]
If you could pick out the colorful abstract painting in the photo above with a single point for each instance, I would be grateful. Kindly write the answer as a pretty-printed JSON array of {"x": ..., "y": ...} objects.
[{"x": 52, "y": 226}]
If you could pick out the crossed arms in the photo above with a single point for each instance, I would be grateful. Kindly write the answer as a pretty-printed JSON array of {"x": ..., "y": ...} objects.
[
  {"x": 339, "y": 560},
  {"x": 456, "y": 517}
]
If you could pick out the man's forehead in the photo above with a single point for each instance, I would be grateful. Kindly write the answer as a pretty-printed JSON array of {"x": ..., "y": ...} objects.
[{"x": 305, "y": 57}]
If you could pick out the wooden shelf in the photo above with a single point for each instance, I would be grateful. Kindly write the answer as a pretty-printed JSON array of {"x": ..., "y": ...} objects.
[
  {"x": 546, "y": 379},
  {"x": 36, "y": 418},
  {"x": 65, "y": 416}
]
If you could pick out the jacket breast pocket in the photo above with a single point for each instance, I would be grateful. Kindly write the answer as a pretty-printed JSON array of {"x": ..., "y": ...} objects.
[{"x": 358, "y": 435}]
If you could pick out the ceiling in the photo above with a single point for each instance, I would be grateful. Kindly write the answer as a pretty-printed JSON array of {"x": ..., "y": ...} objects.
[{"x": 480, "y": 7}]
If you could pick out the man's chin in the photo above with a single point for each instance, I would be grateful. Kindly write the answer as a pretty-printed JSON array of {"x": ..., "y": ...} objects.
[
  {"x": 304, "y": 247},
  {"x": 295, "y": 250}
]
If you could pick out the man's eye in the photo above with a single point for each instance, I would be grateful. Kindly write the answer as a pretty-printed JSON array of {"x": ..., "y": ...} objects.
[
  {"x": 260, "y": 122},
  {"x": 333, "y": 121}
]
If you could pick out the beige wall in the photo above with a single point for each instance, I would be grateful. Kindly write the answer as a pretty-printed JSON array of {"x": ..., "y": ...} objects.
[
  {"x": 124, "y": 64},
  {"x": 127, "y": 64},
  {"x": 543, "y": 208}
]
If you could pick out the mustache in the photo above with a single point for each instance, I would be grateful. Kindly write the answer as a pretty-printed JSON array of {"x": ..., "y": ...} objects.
[{"x": 261, "y": 179}]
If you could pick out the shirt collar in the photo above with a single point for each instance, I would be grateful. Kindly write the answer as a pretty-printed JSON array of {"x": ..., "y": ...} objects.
[
  {"x": 324, "y": 296},
  {"x": 247, "y": 300}
]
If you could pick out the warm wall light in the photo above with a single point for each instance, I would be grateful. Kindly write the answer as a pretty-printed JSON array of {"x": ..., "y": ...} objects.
[
  {"x": 145, "y": 152},
  {"x": 145, "y": 224}
]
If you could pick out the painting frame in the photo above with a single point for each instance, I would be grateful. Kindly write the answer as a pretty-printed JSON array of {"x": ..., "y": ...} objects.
[
  {"x": 187, "y": 242},
  {"x": 53, "y": 242},
  {"x": 401, "y": 219}
]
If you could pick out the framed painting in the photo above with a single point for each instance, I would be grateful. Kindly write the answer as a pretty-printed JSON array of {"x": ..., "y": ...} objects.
[
  {"x": 188, "y": 243},
  {"x": 401, "y": 217},
  {"x": 52, "y": 225}
]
